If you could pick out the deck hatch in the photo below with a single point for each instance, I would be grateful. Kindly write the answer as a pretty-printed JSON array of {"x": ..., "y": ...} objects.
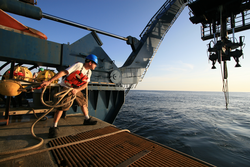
[{"x": 116, "y": 149}]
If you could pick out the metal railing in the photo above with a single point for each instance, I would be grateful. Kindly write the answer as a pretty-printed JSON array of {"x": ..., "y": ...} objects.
[
  {"x": 163, "y": 7},
  {"x": 155, "y": 51},
  {"x": 241, "y": 20}
]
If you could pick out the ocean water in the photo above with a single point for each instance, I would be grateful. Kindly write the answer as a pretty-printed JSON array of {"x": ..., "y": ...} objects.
[{"x": 196, "y": 123}]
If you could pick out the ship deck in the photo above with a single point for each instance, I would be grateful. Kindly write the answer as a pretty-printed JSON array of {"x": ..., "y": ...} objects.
[{"x": 84, "y": 145}]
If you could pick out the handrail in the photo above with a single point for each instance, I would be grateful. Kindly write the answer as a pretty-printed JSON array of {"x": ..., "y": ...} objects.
[
  {"x": 239, "y": 22},
  {"x": 175, "y": 7},
  {"x": 151, "y": 59},
  {"x": 153, "y": 18}
]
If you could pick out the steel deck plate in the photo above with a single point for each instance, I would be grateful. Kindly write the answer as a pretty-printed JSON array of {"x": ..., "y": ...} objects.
[{"x": 111, "y": 146}]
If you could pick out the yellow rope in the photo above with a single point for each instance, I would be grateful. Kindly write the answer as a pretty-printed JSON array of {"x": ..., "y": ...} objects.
[
  {"x": 33, "y": 125},
  {"x": 61, "y": 146}
]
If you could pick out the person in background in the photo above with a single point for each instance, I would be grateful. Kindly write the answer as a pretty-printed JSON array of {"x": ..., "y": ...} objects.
[
  {"x": 36, "y": 74},
  {"x": 91, "y": 62}
]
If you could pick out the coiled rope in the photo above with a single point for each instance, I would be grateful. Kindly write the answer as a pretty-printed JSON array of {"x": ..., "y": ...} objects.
[{"x": 60, "y": 95}]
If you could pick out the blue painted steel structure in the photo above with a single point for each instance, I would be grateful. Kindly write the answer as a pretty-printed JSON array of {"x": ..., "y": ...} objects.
[{"x": 109, "y": 84}]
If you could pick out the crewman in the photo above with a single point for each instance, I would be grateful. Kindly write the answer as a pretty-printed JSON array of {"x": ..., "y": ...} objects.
[
  {"x": 35, "y": 75},
  {"x": 81, "y": 72}
]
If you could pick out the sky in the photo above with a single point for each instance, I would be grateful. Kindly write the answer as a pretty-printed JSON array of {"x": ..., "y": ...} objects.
[{"x": 181, "y": 63}]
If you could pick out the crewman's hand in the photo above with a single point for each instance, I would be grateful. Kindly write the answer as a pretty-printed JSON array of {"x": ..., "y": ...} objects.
[
  {"x": 75, "y": 91},
  {"x": 45, "y": 83}
]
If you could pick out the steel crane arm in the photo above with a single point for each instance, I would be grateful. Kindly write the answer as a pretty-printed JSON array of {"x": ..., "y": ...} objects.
[{"x": 144, "y": 49}]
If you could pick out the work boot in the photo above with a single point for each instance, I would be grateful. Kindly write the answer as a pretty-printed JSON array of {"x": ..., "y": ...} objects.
[
  {"x": 89, "y": 122},
  {"x": 53, "y": 132}
]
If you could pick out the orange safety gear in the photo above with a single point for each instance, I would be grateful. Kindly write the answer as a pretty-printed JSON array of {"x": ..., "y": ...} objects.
[{"x": 76, "y": 79}]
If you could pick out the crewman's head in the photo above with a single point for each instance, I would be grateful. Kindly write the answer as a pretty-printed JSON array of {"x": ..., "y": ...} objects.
[
  {"x": 92, "y": 61},
  {"x": 40, "y": 69}
]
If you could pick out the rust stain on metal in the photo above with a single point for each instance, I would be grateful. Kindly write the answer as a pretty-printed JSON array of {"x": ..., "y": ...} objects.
[{"x": 116, "y": 150}]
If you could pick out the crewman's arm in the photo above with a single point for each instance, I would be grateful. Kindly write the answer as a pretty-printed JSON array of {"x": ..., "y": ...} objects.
[
  {"x": 84, "y": 86},
  {"x": 57, "y": 76}
]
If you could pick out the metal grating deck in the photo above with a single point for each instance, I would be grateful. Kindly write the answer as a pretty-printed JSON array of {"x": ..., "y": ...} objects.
[{"x": 120, "y": 149}]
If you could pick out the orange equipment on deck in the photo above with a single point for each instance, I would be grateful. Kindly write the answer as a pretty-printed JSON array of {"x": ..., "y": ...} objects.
[{"x": 9, "y": 23}]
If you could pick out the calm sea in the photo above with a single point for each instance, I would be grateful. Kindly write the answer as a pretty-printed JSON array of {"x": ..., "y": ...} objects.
[{"x": 196, "y": 123}]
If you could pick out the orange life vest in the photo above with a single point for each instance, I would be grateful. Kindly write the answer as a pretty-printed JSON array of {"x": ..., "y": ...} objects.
[{"x": 76, "y": 79}]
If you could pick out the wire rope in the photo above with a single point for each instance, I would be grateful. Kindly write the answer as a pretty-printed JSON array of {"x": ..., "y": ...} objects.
[{"x": 225, "y": 84}]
